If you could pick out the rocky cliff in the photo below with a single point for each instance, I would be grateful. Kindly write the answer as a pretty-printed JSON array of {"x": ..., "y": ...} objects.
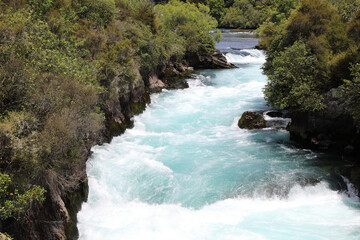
[{"x": 332, "y": 130}]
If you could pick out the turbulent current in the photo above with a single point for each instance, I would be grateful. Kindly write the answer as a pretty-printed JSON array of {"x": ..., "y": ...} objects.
[{"x": 186, "y": 171}]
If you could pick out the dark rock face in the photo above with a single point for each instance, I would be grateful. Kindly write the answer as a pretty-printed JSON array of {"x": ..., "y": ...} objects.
[
  {"x": 115, "y": 119},
  {"x": 354, "y": 176},
  {"x": 173, "y": 74},
  {"x": 155, "y": 84},
  {"x": 167, "y": 74},
  {"x": 331, "y": 130},
  {"x": 56, "y": 218},
  {"x": 252, "y": 120},
  {"x": 129, "y": 99},
  {"x": 215, "y": 60}
]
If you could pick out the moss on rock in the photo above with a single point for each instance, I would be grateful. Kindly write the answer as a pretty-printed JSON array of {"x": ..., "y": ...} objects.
[{"x": 251, "y": 120}]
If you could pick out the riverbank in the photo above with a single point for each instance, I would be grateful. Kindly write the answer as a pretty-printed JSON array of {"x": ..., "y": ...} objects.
[
  {"x": 332, "y": 131},
  {"x": 56, "y": 218},
  {"x": 74, "y": 73}
]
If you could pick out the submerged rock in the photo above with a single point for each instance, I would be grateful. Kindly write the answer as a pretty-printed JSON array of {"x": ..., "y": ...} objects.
[
  {"x": 307, "y": 181},
  {"x": 251, "y": 120},
  {"x": 337, "y": 182}
]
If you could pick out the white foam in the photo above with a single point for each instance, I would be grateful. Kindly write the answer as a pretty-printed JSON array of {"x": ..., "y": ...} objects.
[
  {"x": 352, "y": 192},
  {"x": 247, "y": 56},
  {"x": 175, "y": 154},
  {"x": 242, "y": 218}
]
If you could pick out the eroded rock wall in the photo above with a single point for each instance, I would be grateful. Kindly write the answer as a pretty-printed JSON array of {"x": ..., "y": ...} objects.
[{"x": 333, "y": 131}]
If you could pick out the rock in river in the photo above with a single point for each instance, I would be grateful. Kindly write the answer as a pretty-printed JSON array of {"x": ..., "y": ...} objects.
[{"x": 252, "y": 120}]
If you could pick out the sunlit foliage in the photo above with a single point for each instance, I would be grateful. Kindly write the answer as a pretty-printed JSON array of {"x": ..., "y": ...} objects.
[
  {"x": 190, "y": 23},
  {"x": 61, "y": 63},
  {"x": 12, "y": 202},
  {"x": 312, "y": 49}
]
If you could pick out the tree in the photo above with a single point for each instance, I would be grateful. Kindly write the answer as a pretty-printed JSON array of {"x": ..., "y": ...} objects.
[
  {"x": 217, "y": 9},
  {"x": 293, "y": 82},
  {"x": 353, "y": 28},
  {"x": 189, "y": 22},
  {"x": 100, "y": 11},
  {"x": 242, "y": 15},
  {"x": 40, "y": 7},
  {"x": 351, "y": 92},
  {"x": 12, "y": 202},
  {"x": 313, "y": 17},
  {"x": 346, "y": 8}
]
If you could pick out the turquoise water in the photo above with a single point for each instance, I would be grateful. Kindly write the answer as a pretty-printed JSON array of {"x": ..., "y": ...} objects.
[{"x": 186, "y": 171}]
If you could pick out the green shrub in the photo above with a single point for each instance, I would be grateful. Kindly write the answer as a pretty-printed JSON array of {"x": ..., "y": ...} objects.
[
  {"x": 12, "y": 202},
  {"x": 351, "y": 92},
  {"x": 353, "y": 28},
  {"x": 40, "y": 7},
  {"x": 293, "y": 80},
  {"x": 144, "y": 13},
  {"x": 245, "y": 14},
  {"x": 100, "y": 11},
  {"x": 312, "y": 17},
  {"x": 190, "y": 22},
  {"x": 346, "y": 8},
  {"x": 217, "y": 9},
  {"x": 320, "y": 44}
]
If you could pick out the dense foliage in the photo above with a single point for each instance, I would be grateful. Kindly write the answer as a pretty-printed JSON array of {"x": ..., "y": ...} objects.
[
  {"x": 246, "y": 14},
  {"x": 61, "y": 62},
  {"x": 14, "y": 205},
  {"x": 351, "y": 92},
  {"x": 250, "y": 14},
  {"x": 190, "y": 23},
  {"x": 313, "y": 49}
]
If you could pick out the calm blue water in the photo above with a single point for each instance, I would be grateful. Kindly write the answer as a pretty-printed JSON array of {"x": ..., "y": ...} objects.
[{"x": 186, "y": 171}]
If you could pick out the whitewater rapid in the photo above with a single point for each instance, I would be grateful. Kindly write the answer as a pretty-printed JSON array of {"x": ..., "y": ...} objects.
[{"x": 186, "y": 171}]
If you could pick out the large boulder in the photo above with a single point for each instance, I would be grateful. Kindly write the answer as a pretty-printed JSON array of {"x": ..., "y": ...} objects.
[
  {"x": 252, "y": 120},
  {"x": 214, "y": 60}
]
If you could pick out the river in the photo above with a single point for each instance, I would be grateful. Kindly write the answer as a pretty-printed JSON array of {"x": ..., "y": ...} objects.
[{"x": 186, "y": 171}]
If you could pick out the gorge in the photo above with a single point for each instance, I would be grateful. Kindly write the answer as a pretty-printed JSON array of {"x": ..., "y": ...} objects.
[
  {"x": 186, "y": 171},
  {"x": 119, "y": 119}
]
